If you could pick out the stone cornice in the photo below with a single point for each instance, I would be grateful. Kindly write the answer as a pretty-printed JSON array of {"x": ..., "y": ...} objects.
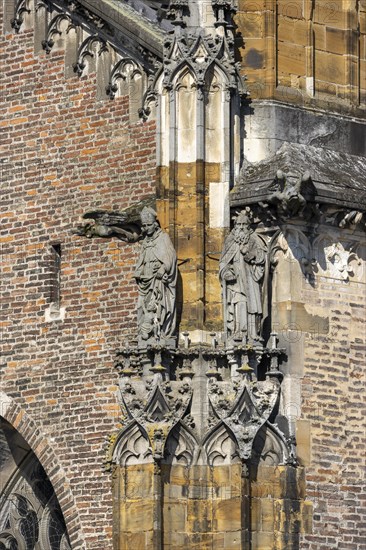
[
  {"x": 134, "y": 30},
  {"x": 337, "y": 178},
  {"x": 128, "y": 24}
]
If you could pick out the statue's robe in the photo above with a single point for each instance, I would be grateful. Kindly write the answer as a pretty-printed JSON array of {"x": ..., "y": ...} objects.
[
  {"x": 156, "y": 252},
  {"x": 242, "y": 296}
]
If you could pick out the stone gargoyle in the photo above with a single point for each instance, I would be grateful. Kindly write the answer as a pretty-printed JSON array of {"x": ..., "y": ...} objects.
[
  {"x": 289, "y": 198},
  {"x": 124, "y": 225}
]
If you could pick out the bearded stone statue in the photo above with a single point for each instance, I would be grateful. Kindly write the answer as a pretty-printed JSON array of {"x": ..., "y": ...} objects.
[{"x": 241, "y": 272}]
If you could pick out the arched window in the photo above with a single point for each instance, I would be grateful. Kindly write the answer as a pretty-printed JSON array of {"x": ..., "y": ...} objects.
[{"x": 30, "y": 515}]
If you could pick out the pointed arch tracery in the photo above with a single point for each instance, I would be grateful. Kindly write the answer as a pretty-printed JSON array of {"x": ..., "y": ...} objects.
[
  {"x": 30, "y": 514},
  {"x": 34, "y": 484},
  {"x": 132, "y": 446},
  {"x": 220, "y": 446},
  {"x": 181, "y": 446}
]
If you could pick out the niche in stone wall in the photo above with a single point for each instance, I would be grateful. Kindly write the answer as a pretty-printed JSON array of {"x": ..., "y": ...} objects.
[
  {"x": 217, "y": 138},
  {"x": 276, "y": 494},
  {"x": 186, "y": 113},
  {"x": 133, "y": 490}
]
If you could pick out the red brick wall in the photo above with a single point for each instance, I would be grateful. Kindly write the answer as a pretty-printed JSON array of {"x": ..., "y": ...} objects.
[{"x": 65, "y": 153}]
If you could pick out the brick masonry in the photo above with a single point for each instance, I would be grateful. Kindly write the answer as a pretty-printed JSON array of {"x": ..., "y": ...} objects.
[
  {"x": 333, "y": 404},
  {"x": 65, "y": 153},
  {"x": 328, "y": 340}
]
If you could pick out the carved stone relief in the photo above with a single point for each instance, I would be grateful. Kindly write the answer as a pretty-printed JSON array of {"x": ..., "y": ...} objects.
[
  {"x": 327, "y": 255},
  {"x": 336, "y": 259},
  {"x": 91, "y": 45},
  {"x": 132, "y": 447},
  {"x": 357, "y": 263},
  {"x": 198, "y": 52},
  {"x": 155, "y": 273},
  {"x": 164, "y": 404},
  {"x": 156, "y": 277},
  {"x": 181, "y": 445},
  {"x": 22, "y": 8},
  {"x": 160, "y": 383},
  {"x": 288, "y": 199},
  {"x": 242, "y": 268}
]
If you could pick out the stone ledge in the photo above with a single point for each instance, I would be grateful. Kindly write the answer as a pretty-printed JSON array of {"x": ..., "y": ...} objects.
[{"x": 338, "y": 178}]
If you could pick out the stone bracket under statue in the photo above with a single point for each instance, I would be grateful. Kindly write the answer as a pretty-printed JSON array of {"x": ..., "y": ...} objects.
[{"x": 197, "y": 405}]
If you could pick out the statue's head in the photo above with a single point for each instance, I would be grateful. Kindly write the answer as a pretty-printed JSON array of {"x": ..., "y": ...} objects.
[
  {"x": 242, "y": 225},
  {"x": 149, "y": 222},
  {"x": 243, "y": 219}
]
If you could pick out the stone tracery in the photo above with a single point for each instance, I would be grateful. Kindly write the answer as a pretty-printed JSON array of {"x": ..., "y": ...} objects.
[{"x": 30, "y": 513}]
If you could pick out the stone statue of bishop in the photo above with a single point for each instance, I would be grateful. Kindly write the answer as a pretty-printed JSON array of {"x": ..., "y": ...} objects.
[{"x": 156, "y": 277}]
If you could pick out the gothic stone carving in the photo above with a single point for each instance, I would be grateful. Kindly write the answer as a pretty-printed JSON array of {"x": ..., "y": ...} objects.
[
  {"x": 124, "y": 225},
  {"x": 288, "y": 200},
  {"x": 110, "y": 224},
  {"x": 242, "y": 268},
  {"x": 156, "y": 276},
  {"x": 156, "y": 269},
  {"x": 21, "y": 8},
  {"x": 163, "y": 404},
  {"x": 335, "y": 258},
  {"x": 198, "y": 52},
  {"x": 329, "y": 254},
  {"x": 153, "y": 403},
  {"x": 246, "y": 410}
]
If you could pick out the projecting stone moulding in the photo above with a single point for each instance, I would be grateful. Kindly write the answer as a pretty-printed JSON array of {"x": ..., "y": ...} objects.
[{"x": 198, "y": 405}]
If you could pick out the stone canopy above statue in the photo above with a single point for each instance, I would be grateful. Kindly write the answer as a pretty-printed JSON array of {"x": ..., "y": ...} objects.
[{"x": 338, "y": 178}]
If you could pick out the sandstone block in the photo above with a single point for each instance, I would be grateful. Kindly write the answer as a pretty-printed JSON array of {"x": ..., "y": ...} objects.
[
  {"x": 256, "y": 514},
  {"x": 262, "y": 541},
  {"x": 330, "y": 14},
  {"x": 251, "y": 22},
  {"x": 227, "y": 515},
  {"x": 290, "y": 10},
  {"x": 232, "y": 541},
  {"x": 330, "y": 68},
  {"x": 131, "y": 513},
  {"x": 306, "y": 510},
  {"x": 139, "y": 481},
  {"x": 175, "y": 516},
  {"x": 336, "y": 40},
  {"x": 319, "y": 36},
  {"x": 291, "y": 59}
]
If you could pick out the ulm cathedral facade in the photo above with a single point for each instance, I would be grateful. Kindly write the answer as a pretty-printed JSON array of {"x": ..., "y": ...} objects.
[{"x": 183, "y": 270}]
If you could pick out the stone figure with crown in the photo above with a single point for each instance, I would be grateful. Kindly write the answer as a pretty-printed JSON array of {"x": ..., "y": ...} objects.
[
  {"x": 241, "y": 272},
  {"x": 156, "y": 277}
]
